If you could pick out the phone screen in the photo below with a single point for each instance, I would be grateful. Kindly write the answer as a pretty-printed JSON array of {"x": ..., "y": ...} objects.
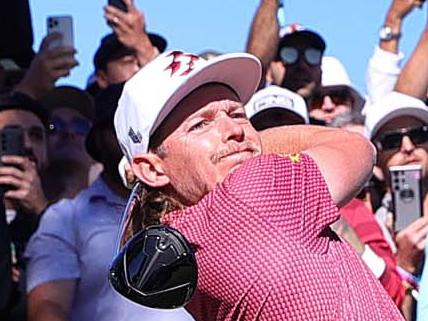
[{"x": 118, "y": 4}]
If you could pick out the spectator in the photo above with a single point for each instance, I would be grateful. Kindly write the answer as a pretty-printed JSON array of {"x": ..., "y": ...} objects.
[
  {"x": 24, "y": 199},
  {"x": 422, "y": 307},
  {"x": 15, "y": 23},
  {"x": 70, "y": 254},
  {"x": 122, "y": 53},
  {"x": 275, "y": 106},
  {"x": 297, "y": 53},
  {"x": 385, "y": 65},
  {"x": 48, "y": 65},
  {"x": 71, "y": 113},
  {"x": 336, "y": 95},
  {"x": 5, "y": 266},
  {"x": 195, "y": 150},
  {"x": 397, "y": 126}
]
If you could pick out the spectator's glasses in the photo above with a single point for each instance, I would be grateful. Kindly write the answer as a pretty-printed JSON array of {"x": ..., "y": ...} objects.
[
  {"x": 78, "y": 125},
  {"x": 156, "y": 267},
  {"x": 339, "y": 96},
  {"x": 290, "y": 55},
  {"x": 392, "y": 140}
]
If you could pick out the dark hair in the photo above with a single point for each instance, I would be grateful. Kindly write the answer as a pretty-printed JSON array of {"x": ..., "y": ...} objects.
[
  {"x": 20, "y": 101},
  {"x": 111, "y": 49}
]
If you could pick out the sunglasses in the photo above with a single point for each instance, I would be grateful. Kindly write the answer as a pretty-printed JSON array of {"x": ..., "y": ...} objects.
[
  {"x": 392, "y": 140},
  {"x": 78, "y": 125},
  {"x": 339, "y": 96},
  {"x": 157, "y": 266},
  {"x": 290, "y": 55}
]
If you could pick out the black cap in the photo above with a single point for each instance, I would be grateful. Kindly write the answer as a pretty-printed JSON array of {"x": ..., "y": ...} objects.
[
  {"x": 106, "y": 102},
  {"x": 295, "y": 32},
  {"x": 72, "y": 98},
  {"x": 111, "y": 49},
  {"x": 20, "y": 101}
]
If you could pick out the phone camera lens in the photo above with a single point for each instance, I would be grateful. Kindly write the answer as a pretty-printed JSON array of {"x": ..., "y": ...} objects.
[{"x": 407, "y": 195}]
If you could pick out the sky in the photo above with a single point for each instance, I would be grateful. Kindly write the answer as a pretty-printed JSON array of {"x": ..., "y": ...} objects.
[{"x": 350, "y": 28}]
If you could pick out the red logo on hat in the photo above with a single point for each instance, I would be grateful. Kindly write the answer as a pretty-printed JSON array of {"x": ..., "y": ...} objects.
[{"x": 180, "y": 58}]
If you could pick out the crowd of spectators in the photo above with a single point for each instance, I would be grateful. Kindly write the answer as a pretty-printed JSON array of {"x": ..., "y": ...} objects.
[{"x": 63, "y": 195}]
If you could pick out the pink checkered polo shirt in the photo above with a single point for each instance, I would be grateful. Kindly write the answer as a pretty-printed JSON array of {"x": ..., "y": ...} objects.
[{"x": 265, "y": 251}]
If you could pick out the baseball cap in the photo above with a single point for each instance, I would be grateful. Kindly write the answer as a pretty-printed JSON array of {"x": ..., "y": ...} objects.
[
  {"x": 278, "y": 98},
  {"x": 72, "y": 98},
  {"x": 111, "y": 49},
  {"x": 155, "y": 90},
  {"x": 334, "y": 75},
  {"x": 296, "y": 31},
  {"x": 391, "y": 106}
]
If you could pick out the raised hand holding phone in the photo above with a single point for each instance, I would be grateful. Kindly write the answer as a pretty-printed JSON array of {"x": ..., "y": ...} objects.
[
  {"x": 62, "y": 25},
  {"x": 129, "y": 26}
]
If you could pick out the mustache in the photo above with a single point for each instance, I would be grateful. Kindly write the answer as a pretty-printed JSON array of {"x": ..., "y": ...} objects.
[{"x": 232, "y": 148}]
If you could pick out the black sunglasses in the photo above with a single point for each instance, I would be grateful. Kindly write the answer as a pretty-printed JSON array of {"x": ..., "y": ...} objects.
[
  {"x": 156, "y": 267},
  {"x": 290, "y": 55},
  {"x": 339, "y": 96},
  {"x": 58, "y": 125},
  {"x": 392, "y": 140}
]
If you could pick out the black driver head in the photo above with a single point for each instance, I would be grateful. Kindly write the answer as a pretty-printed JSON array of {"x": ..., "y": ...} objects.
[{"x": 156, "y": 268}]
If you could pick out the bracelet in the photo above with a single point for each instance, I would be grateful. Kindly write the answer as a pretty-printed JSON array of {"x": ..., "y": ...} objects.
[{"x": 408, "y": 277}]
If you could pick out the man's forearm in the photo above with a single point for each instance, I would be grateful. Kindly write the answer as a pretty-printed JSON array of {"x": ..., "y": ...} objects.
[
  {"x": 345, "y": 159},
  {"x": 298, "y": 138},
  {"x": 413, "y": 80},
  {"x": 264, "y": 32}
]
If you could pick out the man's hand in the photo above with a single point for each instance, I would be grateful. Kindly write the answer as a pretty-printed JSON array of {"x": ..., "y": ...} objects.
[
  {"x": 21, "y": 174},
  {"x": 46, "y": 68},
  {"x": 411, "y": 244},
  {"x": 130, "y": 30},
  {"x": 401, "y": 8}
]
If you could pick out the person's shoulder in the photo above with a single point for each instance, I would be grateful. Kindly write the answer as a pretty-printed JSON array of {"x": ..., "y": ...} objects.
[
  {"x": 263, "y": 163},
  {"x": 267, "y": 171},
  {"x": 68, "y": 206}
]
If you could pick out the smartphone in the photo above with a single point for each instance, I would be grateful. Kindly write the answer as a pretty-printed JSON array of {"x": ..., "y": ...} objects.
[
  {"x": 118, "y": 4},
  {"x": 406, "y": 189},
  {"x": 64, "y": 26},
  {"x": 12, "y": 141}
]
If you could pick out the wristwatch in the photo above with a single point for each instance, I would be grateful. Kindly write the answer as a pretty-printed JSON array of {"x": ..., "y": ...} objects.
[{"x": 386, "y": 34}]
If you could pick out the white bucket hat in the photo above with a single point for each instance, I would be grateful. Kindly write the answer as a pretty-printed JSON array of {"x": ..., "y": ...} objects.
[
  {"x": 154, "y": 91},
  {"x": 277, "y": 97},
  {"x": 334, "y": 74},
  {"x": 391, "y": 106}
]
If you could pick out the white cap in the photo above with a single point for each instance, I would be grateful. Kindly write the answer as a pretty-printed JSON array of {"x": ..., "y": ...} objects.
[
  {"x": 391, "y": 106},
  {"x": 154, "y": 91},
  {"x": 334, "y": 72},
  {"x": 277, "y": 97}
]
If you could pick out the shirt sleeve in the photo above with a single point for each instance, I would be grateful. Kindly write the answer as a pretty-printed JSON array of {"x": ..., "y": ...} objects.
[
  {"x": 288, "y": 191},
  {"x": 52, "y": 253},
  {"x": 382, "y": 73},
  {"x": 422, "y": 306}
]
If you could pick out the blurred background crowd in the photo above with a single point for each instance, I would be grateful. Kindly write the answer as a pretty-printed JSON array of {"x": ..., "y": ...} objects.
[{"x": 63, "y": 194}]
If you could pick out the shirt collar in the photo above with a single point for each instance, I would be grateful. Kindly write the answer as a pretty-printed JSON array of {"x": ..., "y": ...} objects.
[{"x": 100, "y": 190}]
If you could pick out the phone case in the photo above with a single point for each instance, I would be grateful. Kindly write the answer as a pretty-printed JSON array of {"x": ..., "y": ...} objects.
[
  {"x": 64, "y": 26},
  {"x": 406, "y": 194},
  {"x": 118, "y": 4},
  {"x": 12, "y": 141}
]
